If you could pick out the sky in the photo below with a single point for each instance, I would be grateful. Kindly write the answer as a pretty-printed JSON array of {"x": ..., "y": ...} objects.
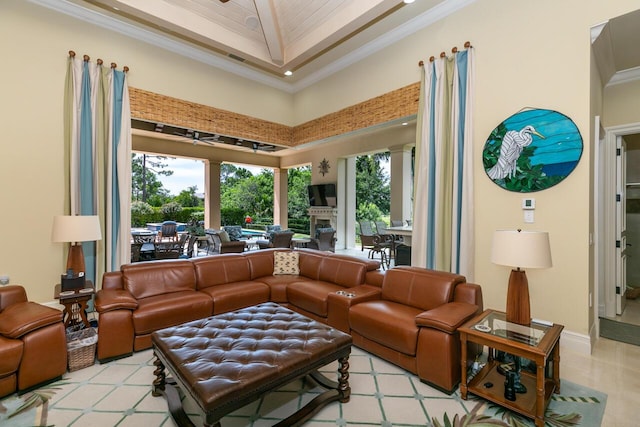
[{"x": 187, "y": 173}]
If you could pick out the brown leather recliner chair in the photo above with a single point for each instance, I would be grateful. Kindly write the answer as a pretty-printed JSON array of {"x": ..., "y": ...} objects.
[
  {"x": 33, "y": 346},
  {"x": 415, "y": 321}
]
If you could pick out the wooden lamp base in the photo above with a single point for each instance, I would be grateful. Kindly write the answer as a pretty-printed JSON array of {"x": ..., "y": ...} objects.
[
  {"x": 518, "y": 308},
  {"x": 75, "y": 258}
]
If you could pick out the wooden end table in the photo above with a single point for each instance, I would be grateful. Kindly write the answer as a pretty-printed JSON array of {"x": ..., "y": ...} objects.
[
  {"x": 536, "y": 342},
  {"x": 75, "y": 304}
]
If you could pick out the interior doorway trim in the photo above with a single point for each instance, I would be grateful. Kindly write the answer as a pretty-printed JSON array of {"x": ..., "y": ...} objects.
[{"x": 607, "y": 261}]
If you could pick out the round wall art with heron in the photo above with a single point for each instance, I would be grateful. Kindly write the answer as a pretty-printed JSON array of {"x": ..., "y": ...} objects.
[{"x": 532, "y": 150}]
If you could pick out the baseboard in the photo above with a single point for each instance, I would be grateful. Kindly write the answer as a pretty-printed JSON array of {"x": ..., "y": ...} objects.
[
  {"x": 53, "y": 304},
  {"x": 574, "y": 341}
]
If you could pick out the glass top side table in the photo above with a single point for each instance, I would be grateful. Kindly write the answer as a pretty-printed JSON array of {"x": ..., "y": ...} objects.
[{"x": 536, "y": 342}]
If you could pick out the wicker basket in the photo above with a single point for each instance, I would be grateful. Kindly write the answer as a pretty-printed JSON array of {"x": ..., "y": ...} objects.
[{"x": 81, "y": 348}]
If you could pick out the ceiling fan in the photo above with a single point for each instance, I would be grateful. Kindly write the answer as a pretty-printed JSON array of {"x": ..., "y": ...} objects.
[{"x": 196, "y": 137}]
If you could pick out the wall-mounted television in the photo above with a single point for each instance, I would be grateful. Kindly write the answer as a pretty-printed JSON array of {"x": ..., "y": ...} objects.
[{"x": 322, "y": 195}]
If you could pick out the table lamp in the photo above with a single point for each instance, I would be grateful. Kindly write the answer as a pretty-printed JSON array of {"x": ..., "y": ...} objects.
[
  {"x": 520, "y": 249},
  {"x": 76, "y": 229}
]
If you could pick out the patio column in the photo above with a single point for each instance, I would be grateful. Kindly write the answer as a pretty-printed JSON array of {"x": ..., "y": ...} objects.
[
  {"x": 345, "y": 232},
  {"x": 401, "y": 182},
  {"x": 281, "y": 197},
  {"x": 212, "y": 194}
]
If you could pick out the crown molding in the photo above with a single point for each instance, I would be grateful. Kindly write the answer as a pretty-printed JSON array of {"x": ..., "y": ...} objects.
[
  {"x": 625, "y": 76},
  {"x": 421, "y": 21},
  {"x": 161, "y": 41},
  {"x": 185, "y": 49}
]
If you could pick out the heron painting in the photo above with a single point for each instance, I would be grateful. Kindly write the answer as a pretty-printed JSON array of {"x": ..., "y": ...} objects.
[{"x": 532, "y": 150}]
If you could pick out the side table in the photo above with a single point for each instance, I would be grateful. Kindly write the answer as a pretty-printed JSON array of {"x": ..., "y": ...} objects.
[
  {"x": 75, "y": 304},
  {"x": 536, "y": 342}
]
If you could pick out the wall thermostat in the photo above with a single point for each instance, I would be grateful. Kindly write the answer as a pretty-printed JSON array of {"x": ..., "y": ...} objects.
[{"x": 528, "y": 203}]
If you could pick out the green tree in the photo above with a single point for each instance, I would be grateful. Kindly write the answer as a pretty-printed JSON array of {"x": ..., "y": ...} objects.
[
  {"x": 187, "y": 198},
  {"x": 298, "y": 200},
  {"x": 372, "y": 182},
  {"x": 253, "y": 194},
  {"x": 145, "y": 184},
  {"x": 231, "y": 174}
]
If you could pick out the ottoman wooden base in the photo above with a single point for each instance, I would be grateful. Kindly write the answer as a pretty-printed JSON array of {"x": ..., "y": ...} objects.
[{"x": 227, "y": 361}]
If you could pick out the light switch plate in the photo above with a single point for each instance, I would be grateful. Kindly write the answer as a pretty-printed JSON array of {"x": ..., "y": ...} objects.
[{"x": 528, "y": 216}]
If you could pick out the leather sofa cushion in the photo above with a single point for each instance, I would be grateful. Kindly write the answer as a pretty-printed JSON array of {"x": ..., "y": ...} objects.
[
  {"x": 146, "y": 279},
  {"x": 162, "y": 311},
  {"x": 311, "y": 295},
  {"x": 10, "y": 356},
  {"x": 237, "y": 295},
  {"x": 388, "y": 323},
  {"x": 418, "y": 287},
  {"x": 260, "y": 263},
  {"x": 221, "y": 269},
  {"x": 24, "y": 317},
  {"x": 278, "y": 286},
  {"x": 310, "y": 264},
  {"x": 342, "y": 272}
]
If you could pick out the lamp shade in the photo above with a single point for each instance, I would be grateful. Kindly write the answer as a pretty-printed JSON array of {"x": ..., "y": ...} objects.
[
  {"x": 76, "y": 228},
  {"x": 522, "y": 249}
]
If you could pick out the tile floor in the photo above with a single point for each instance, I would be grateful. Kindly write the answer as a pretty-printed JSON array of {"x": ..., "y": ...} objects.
[{"x": 119, "y": 393}]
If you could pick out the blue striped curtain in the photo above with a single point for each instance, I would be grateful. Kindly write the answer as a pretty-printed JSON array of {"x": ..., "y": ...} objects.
[
  {"x": 98, "y": 147},
  {"x": 443, "y": 230}
]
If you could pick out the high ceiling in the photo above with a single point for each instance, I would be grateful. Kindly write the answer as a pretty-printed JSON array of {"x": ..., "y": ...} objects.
[
  {"x": 261, "y": 39},
  {"x": 268, "y": 36}
]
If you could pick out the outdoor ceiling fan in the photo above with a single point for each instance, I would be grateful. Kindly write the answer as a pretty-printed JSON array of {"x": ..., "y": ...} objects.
[
  {"x": 195, "y": 137},
  {"x": 258, "y": 146}
]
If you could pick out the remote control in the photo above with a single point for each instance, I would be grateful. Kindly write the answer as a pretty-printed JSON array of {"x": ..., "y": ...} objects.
[{"x": 542, "y": 322}]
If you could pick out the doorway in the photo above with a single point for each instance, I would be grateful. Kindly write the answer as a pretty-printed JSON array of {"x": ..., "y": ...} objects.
[{"x": 620, "y": 312}]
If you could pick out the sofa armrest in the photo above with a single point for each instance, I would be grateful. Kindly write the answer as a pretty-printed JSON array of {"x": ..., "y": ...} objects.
[
  {"x": 117, "y": 299},
  {"x": 21, "y": 318},
  {"x": 447, "y": 317}
]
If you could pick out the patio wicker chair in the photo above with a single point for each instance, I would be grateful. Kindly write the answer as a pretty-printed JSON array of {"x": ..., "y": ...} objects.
[
  {"x": 279, "y": 239},
  {"x": 170, "y": 249},
  {"x": 325, "y": 240},
  {"x": 374, "y": 242},
  {"x": 168, "y": 231}
]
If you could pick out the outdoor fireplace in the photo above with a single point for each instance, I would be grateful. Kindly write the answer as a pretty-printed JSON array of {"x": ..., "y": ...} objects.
[{"x": 322, "y": 216}]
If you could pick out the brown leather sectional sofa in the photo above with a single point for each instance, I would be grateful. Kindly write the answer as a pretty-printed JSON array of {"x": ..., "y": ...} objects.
[{"x": 408, "y": 316}]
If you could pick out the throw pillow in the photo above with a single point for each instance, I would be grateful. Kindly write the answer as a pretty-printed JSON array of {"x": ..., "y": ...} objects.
[
  {"x": 285, "y": 263},
  {"x": 224, "y": 236}
]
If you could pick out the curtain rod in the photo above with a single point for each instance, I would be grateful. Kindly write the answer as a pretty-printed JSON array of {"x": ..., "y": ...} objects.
[
  {"x": 467, "y": 45},
  {"x": 86, "y": 58}
]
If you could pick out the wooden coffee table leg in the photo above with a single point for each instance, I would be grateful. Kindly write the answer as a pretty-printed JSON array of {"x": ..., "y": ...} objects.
[
  {"x": 343, "y": 380},
  {"x": 160, "y": 382},
  {"x": 168, "y": 388}
]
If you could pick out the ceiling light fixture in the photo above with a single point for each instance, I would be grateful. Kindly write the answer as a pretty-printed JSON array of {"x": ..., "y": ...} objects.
[
  {"x": 288, "y": 73},
  {"x": 408, "y": 1}
]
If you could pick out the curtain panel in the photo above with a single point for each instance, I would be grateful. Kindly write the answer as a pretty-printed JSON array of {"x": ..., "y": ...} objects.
[
  {"x": 443, "y": 222},
  {"x": 97, "y": 156}
]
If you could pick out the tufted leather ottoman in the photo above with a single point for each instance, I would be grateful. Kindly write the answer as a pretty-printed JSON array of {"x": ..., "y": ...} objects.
[{"x": 227, "y": 361}]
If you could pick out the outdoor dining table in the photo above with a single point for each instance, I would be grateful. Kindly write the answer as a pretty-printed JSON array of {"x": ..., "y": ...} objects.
[{"x": 405, "y": 231}]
